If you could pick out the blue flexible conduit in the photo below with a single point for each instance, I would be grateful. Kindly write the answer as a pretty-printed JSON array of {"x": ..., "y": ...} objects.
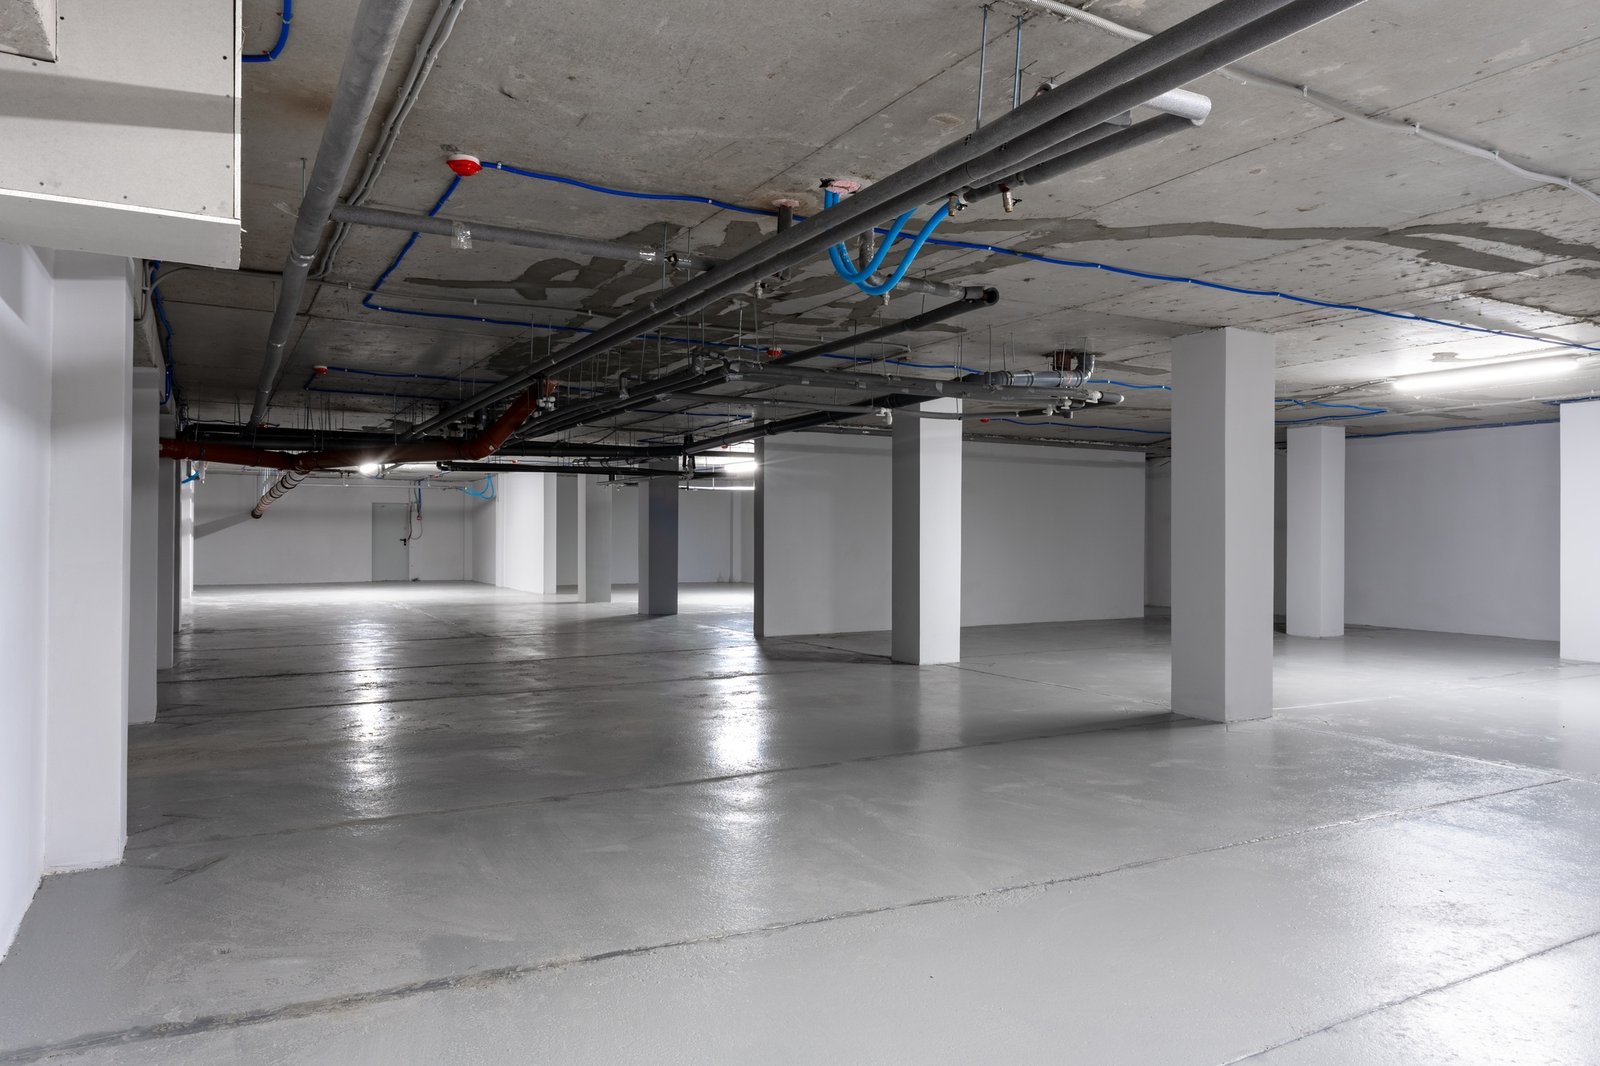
[
  {"x": 164, "y": 331},
  {"x": 487, "y": 492},
  {"x": 840, "y": 255},
  {"x": 923, "y": 237},
  {"x": 277, "y": 46}
]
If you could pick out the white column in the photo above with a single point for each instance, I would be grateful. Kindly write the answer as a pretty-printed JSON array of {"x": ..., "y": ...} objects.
[
  {"x": 925, "y": 570},
  {"x": 550, "y": 581},
  {"x": 1314, "y": 592},
  {"x": 524, "y": 531},
  {"x": 144, "y": 533},
  {"x": 1580, "y": 519},
  {"x": 86, "y": 728},
  {"x": 185, "y": 554},
  {"x": 167, "y": 475},
  {"x": 594, "y": 539},
  {"x": 658, "y": 545},
  {"x": 1222, "y": 474},
  {"x": 758, "y": 553}
]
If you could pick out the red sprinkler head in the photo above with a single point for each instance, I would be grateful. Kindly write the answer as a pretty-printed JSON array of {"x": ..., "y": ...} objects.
[{"x": 463, "y": 164}]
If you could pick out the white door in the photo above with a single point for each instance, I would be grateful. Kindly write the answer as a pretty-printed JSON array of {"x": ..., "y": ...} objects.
[{"x": 391, "y": 552}]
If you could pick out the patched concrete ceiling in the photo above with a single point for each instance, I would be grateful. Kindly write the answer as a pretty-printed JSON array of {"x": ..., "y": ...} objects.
[{"x": 758, "y": 101}]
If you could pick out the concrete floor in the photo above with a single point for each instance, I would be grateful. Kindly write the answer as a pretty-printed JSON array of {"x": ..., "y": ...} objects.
[{"x": 449, "y": 823}]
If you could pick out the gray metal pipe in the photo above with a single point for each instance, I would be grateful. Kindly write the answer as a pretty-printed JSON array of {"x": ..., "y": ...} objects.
[
  {"x": 1217, "y": 36},
  {"x": 372, "y": 40},
  {"x": 1079, "y": 153},
  {"x": 565, "y": 245},
  {"x": 526, "y": 238}
]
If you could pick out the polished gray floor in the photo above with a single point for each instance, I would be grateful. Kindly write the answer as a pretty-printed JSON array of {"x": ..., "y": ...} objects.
[{"x": 448, "y": 823}]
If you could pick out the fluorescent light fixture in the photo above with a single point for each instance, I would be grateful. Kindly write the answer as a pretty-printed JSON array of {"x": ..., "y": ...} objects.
[
  {"x": 369, "y": 468},
  {"x": 1467, "y": 377}
]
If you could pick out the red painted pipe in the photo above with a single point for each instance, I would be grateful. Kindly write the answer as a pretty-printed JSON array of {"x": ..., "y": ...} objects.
[{"x": 482, "y": 446}]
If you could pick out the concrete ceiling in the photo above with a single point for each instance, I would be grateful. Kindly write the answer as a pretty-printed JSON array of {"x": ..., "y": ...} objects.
[{"x": 685, "y": 97}]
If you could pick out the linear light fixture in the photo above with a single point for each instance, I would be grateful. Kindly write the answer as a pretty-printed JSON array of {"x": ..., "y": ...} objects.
[{"x": 1467, "y": 377}]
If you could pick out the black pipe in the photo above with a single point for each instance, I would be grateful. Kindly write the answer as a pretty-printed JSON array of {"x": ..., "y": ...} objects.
[
  {"x": 1049, "y": 165},
  {"x": 988, "y": 298},
  {"x": 553, "y": 468}
]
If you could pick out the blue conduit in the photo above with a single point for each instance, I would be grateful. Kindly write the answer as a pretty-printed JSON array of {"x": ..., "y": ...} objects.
[
  {"x": 277, "y": 46},
  {"x": 840, "y": 255},
  {"x": 371, "y": 304},
  {"x": 487, "y": 493},
  {"x": 1084, "y": 264},
  {"x": 192, "y": 477},
  {"x": 168, "y": 382}
]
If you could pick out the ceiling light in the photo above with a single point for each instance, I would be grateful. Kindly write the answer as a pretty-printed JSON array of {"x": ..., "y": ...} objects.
[
  {"x": 738, "y": 465},
  {"x": 369, "y": 468},
  {"x": 1467, "y": 377}
]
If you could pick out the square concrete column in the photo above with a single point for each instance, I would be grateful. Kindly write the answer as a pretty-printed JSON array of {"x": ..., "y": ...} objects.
[
  {"x": 594, "y": 539},
  {"x": 167, "y": 475},
  {"x": 145, "y": 592},
  {"x": 185, "y": 553},
  {"x": 1314, "y": 593},
  {"x": 1580, "y": 519},
  {"x": 550, "y": 583},
  {"x": 523, "y": 513},
  {"x": 1222, "y": 472},
  {"x": 86, "y": 723},
  {"x": 658, "y": 546},
  {"x": 925, "y": 570}
]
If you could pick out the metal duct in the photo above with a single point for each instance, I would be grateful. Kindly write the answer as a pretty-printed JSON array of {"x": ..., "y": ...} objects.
[
  {"x": 277, "y": 491},
  {"x": 372, "y": 41}
]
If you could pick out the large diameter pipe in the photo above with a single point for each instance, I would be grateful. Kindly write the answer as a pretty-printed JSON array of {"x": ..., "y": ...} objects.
[
  {"x": 479, "y": 447},
  {"x": 372, "y": 41},
  {"x": 277, "y": 491},
  {"x": 1214, "y": 37}
]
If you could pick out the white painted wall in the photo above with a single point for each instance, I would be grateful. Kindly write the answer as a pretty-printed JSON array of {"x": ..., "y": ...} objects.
[
  {"x": 321, "y": 532},
  {"x": 1455, "y": 532},
  {"x": 713, "y": 531},
  {"x": 1051, "y": 534},
  {"x": 826, "y": 529},
  {"x": 25, "y": 337}
]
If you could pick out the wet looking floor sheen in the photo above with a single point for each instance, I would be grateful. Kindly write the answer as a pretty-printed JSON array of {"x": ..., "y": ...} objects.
[{"x": 451, "y": 823}]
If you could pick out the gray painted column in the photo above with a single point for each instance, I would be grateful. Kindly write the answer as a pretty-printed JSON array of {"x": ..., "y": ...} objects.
[
  {"x": 86, "y": 725},
  {"x": 1222, "y": 474},
  {"x": 166, "y": 554},
  {"x": 1580, "y": 518},
  {"x": 658, "y": 546},
  {"x": 926, "y": 530},
  {"x": 1314, "y": 581},
  {"x": 144, "y": 535},
  {"x": 594, "y": 539}
]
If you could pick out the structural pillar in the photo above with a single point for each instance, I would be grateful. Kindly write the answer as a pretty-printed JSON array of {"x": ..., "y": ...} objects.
[
  {"x": 86, "y": 725},
  {"x": 1580, "y": 518},
  {"x": 144, "y": 533},
  {"x": 925, "y": 570},
  {"x": 185, "y": 553},
  {"x": 594, "y": 538},
  {"x": 166, "y": 553},
  {"x": 550, "y": 582},
  {"x": 1222, "y": 526},
  {"x": 1314, "y": 584},
  {"x": 658, "y": 546}
]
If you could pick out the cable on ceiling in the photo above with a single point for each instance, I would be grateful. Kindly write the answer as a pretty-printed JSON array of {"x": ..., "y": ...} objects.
[{"x": 286, "y": 16}]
